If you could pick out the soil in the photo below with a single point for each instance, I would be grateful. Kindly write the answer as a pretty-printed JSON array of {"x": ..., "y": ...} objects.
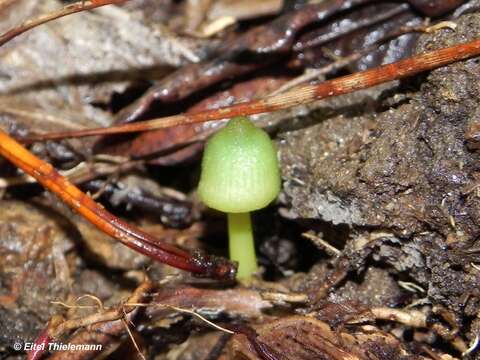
[{"x": 396, "y": 168}]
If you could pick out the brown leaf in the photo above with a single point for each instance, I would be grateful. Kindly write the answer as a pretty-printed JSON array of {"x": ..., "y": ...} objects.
[{"x": 305, "y": 338}]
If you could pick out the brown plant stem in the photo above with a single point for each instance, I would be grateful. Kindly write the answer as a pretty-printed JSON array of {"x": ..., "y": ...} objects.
[
  {"x": 42, "y": 19},
  {"x": 299, "y": 95},
  {"x": 129, "y": 235}
]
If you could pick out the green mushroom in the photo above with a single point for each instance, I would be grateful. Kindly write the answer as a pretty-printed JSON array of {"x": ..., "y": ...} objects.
[{"x": 240, "y": 173}]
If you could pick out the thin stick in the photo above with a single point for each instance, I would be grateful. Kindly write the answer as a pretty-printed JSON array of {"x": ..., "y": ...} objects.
[
  {"x": 299, "y": 95},
  {"x": 350, "y": 59},
  {"x": 133, "y": 339},
  {"x": 129, "y": 235},
  {"x": 68, "y": 306},
  {"x": 191, "y": 312},
  {"x": 94, "y": 298},
  {"x": 42, "y": 19},
  {"x": 472, "y": 347},
  {"x": 317, "y": 240},
  {"x": 56, "y": 327}
]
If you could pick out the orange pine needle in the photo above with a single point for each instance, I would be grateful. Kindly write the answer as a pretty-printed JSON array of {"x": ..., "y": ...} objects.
[
  {"x": 131, "y": 236},
  {"x": 299, "y": 95}
]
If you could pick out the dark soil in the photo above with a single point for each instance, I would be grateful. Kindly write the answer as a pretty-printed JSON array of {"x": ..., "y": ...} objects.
[{"x": 397, "y": 169}]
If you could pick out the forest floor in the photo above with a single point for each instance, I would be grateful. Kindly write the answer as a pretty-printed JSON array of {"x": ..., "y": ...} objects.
[{"x": 370, "y": 252}]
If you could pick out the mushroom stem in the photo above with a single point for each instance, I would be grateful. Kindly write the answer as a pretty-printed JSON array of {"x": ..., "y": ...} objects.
[{"x": 241, "y": 245}]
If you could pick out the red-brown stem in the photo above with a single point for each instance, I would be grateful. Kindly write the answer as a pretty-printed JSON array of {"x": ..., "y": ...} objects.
[
  {"x": 131, "y": 236},
  {"x": 296, "y": 96},
  {"x": 42, "y": 19},
  {"x": 40, "y": 344}
]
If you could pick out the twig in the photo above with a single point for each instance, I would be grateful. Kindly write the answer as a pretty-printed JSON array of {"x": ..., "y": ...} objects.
[
  {"x": 191, "y": 312},
  {"x": 299, "y": 95},
  {"x": 418, "y": 319},
  {"x": 133, "y": 339},
  {"x": 411, "y": 286},
  {"x": 42, "y": 19},
  {"x": 122, "y": 312},
  {"x": 412, "y": 318},
  {"x": 472, "y": 347},
  {"x": 94, "y": 298},
  {"x": 319, "y": 242},
  {"x": 107, "y": 315},
  {"x": 57, "y": 328},
  {"x": 350, "y": 59},
  {"x": 80, "y": 173},
  {"x": 129, "y": 235},
  {"x": 281, "y": 298},
  {"x": 69, "y": 306}
]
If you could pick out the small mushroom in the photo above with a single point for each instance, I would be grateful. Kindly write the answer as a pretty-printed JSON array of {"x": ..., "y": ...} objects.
[{"x": 240, "y": 173}]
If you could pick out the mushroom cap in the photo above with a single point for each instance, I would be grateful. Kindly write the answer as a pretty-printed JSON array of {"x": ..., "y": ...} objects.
[{"x": 240, "y": 171}]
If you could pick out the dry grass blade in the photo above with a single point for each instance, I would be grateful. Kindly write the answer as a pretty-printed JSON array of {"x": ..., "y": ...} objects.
[{"x": 42, "y": 19}]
